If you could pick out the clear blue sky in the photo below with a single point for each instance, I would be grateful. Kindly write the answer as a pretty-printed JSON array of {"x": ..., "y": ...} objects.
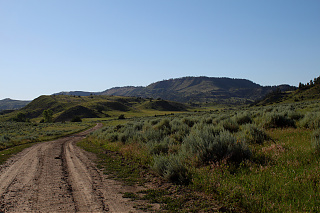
[{"x": 65, "y": 45}]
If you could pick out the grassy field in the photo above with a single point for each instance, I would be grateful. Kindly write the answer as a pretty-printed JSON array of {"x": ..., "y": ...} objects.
[
  {"x": 16, "y": 136},
  {"x": 257, "y": 159},
  {"x": 229, "y": 159}
]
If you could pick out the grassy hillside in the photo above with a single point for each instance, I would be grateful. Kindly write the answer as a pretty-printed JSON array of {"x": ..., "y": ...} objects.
[
  {"x": 163, "y": 105},
  {"x": 124, "y": 91},
  {"x": 304, "y": 93},
  {"x": 200, "y": 89},
  {"x": 195, "y": 90},
  {"x": 67, "y": 107},
  {"x": 9, "y": 104}
]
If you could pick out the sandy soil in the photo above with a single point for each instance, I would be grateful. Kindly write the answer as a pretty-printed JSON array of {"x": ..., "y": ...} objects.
[{"x": 57, "y": 176}]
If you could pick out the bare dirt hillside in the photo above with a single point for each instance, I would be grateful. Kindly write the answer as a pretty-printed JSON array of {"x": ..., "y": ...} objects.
[{"x": 57, "y": 176}]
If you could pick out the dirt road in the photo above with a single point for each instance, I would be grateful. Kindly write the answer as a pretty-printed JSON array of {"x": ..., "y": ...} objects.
[{"x": 58, "y": 176}]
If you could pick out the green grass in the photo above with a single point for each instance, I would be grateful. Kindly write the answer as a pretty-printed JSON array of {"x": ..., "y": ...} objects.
[
  {"x": 17, "y": 133},
  {"x": 15, "y": 137},
  {"x": 289, "y": 182},
  {"x": 281, "y": 173},
  {"x": 116, "y": 165},
  {"x": 65, "y": 107}
]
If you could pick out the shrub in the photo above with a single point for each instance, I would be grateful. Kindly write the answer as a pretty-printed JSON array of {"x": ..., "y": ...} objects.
[
  {"x": 121, "y": 117},
  {"x": 76, "y": 119},
  {"x": 179, "y": 130},
  {"x": 21, "y": 117},
  {"x": 154, "y": 135},
  {"x": 243, "y": 119},
  {"x": 316, "y": 141},
  {"x": 219, "y": 119},
  {"x": 316, "y": 133},
  {"x": 316, "y": 145},
  {"x": 127, "y": 134},
  {"x": 311, "y": 120},
  {"x": 123, "y": 137},
  {"x": 154, "y": 122},
  {"x": 164, "y": 125},
  {"x": 276, "y": 120},
  {"x": 252, "y": 134},
  {"x": 208, "y": 146},
  {"x": 295, "y": 115},
  {"x": 188, "y": 121},
  {"x": 113, "y": 137},
  {"x": 231, "y": 125},
  {"x": 177, "y": 125},
  {"x": 138, "y": 126},
  {"x": 162, "y": 147},
  {"x": 4, "y": 139},
  {"x": 171, "y": 168}
]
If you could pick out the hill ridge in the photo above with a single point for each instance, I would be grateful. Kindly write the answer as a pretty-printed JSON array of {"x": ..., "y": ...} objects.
[
  {"x": 200, "y": 89},
  {"x": 11, "y": 104},
  {"x": 188, "y": 89}
]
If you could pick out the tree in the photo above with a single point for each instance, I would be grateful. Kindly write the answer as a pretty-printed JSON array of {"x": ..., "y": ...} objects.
[
  {"x": 301, "y": 85},
  {"x": 21, "y": 117},
  {"x": 76, "y": 119},
  {"x": 47, "y": 116},
  {"x": 121, "y": 117}
]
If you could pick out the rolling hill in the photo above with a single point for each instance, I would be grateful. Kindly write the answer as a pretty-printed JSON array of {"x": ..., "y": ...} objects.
[
  {"x": 9, "y": 104},
  {"x": 197, "y": 89},
  {"x": 306, "y": 92},
  {"x": 67, "y": 107}
]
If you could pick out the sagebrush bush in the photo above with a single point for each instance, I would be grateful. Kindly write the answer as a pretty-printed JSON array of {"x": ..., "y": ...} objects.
[
  {"x": 153, "y": 135},
  {"x": 4, "y": 138},
  {"x": 171, "y": 168},
  {"x": 231, "y": 125},
  {"x": 129, "y": 134},
  {"x": 207, "y": 146},
  {"x": 5, "y": 141},
  {"x": 178, "y": 125},
  {"x": 295, "y": 115},
  {"x": 188, "y": 121},
  {"x": 164, "y": 125},
  {"x": 244, "y": 118},
  {"x": 138, "y": 126},
  {"x": 219, "y": 119},
  {"x": 154, "y": 122},
  {"x": 252, "y": 134},
  {"x": 161, "y": 147},
  {"x": 311, "y": 120},
  {"x": 123, "y": 137},
  {"x": 316, "y": 141},
  {"x": 277, "y": 120},
  {"x": 113, "y": 137},
  {"x": 316, "y": 133},
  {"x": 179, "y": 130}
]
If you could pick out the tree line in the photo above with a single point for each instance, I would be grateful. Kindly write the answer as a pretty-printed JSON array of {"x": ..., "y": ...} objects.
[{"x": 315, "y": 81}]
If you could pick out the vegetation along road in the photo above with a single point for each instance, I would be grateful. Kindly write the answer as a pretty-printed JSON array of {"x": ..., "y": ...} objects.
[{"x": 57, "y": 176}]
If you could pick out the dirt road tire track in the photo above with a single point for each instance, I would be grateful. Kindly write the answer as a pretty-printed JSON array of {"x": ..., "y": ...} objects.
[{"x": 57, "y": 176}]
